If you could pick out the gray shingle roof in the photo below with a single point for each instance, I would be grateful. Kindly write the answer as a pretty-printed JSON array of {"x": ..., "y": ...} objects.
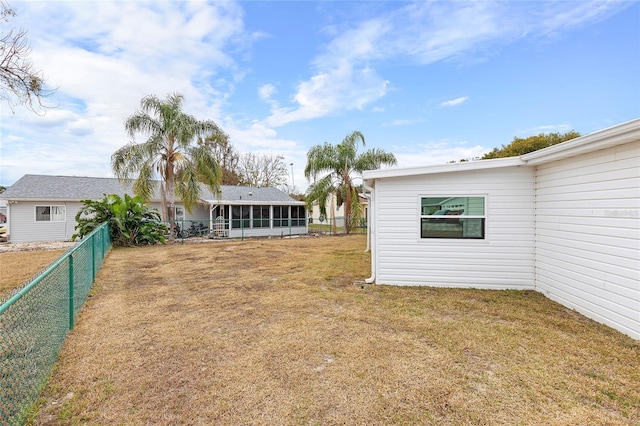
[{"x": 75, "y": 188}]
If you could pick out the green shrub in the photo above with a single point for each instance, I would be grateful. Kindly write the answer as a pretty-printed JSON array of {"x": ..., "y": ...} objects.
[{"x": 131, "y": 222}]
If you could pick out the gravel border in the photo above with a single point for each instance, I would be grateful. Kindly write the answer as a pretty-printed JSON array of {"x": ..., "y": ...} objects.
[{"x": 36, "y": 245}]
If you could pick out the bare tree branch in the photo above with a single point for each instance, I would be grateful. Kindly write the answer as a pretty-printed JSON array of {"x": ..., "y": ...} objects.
[
  {"x": 262, "y": 170},
  {"x": 20, "y": 83}
]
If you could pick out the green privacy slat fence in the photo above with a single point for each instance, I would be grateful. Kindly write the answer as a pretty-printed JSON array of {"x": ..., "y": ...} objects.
[{"x": 36, "y": 318}]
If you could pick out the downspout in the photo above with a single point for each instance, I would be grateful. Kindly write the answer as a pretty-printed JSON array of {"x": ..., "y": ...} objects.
[
  {"x": 370, "y": 223},
  {"x": 7, "y": 222},
  {"x": 368, "y": 197}
]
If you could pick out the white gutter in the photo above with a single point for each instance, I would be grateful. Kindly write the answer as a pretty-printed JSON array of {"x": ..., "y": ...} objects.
[
  {"x": 251, "y": 202},
  {"x": 443, "y": 168},
  {"x": 370, "y": 224}
]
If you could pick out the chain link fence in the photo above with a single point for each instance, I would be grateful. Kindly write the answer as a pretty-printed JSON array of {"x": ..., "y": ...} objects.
[
  {"x": 335, "y": 225},
  {"x": 35, "y": 319}
]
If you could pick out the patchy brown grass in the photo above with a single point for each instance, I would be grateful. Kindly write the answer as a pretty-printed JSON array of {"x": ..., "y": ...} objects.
[
  {"x": 276, "y": 332},
  {"x": 17, "y": 267}
]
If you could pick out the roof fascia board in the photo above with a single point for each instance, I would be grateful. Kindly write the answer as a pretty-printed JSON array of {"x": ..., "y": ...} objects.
[
  {"x": 444, "y": 168},
  {"x": 255, "y": 202},
  {"x": 46, "y": 200},
  {"x": 605, "y": 138}
]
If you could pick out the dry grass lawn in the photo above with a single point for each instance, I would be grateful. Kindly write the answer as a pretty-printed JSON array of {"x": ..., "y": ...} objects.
[
  {"x": 19, "y": 266},
  {"x": 274, "y": 332}
]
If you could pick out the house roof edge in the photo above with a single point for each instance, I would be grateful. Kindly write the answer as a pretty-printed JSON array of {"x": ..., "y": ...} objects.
[
  {"x": 443, "y": 168},
  {"x": 601, "y": 139}
]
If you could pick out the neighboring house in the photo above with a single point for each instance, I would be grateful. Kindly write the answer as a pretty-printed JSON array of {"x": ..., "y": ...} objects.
[
  {"x": 3, "y": 211},
  {"x": 43, "y": 208},
  {"x": 564, "y": 221},
  {"x": 335, "y": 211}
]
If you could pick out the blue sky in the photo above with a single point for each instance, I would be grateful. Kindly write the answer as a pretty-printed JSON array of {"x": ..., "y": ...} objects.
[{"x": 429, "y": 81}]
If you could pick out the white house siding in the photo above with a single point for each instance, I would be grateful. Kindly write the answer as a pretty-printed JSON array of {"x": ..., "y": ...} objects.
[
  {"x": 588, "y": 235},
  {"x": 24, "y": 228},
  {"x": 503, "y": 260}
]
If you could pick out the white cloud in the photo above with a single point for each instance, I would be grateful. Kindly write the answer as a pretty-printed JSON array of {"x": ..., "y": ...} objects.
[
  {"x": 454, "y": 102},
  {"x": 399, "y": 122},
  {"x": 103, "y": 60},
  {"x": 344, "y": 74},
  {"x": 344, "y": 88},
  {"x": 563, "y": 16},
  {"x": 104, "y": 56},
  {"x": 267, "y": 91},
  {"x": 436, "y": 152},
  {"x": 546, "y": 128}
]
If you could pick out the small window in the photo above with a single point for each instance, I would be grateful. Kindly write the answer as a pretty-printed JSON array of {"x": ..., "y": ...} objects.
[
  {"x": 50, "y": 213},
  {"x": 452, "y": 217}
]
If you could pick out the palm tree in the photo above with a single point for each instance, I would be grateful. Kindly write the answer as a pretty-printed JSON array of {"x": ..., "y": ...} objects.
[
  {"x": 169, "y": 152},
  {"x": 342, "y": 165}
]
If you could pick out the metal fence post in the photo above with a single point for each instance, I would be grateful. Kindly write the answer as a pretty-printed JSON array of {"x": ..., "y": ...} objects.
[
  {"x": 71, "y": 292},
  {"x": 105, "y": 234},
  {"x": 93, "y": 257}
]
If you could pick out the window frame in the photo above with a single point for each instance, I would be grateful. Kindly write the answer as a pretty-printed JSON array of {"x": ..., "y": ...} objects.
[
  {"x": 300, "y": 218},
  {"x": 279, "y": 220},
  {"x": 51, "y": 214},
  {"x": 449, "y": 196},
  {"x": 243, "y": 220},
  {"x": 261, "y": 221}
]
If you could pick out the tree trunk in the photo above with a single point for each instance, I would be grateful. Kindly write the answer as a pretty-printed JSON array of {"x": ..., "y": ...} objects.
[
  {"x": 347, "y": 209},
  {"x": 333, "y": 214},
  {"x": 171, "y": 193}
]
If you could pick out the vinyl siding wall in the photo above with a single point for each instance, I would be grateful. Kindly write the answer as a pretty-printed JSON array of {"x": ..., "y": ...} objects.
[
  {"x": 24, "y": 228},
  {"x": 503, "y": 260},
  {"x": 588, "y": 235}
]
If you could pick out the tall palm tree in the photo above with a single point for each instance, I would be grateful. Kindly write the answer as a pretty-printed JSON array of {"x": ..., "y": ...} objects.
[
  {"x": 342, "y": 165},
  {"x": 169, "y": 152}
]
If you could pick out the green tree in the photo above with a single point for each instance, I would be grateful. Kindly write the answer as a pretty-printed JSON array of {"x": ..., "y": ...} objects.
[
  {"x": 131, "y": 222},
  {"x": 171, "y": 152},
  {"x": 226, "y": 156},
  {"x": 521, "y": 146},
  {"x": 341, "y": 165}
]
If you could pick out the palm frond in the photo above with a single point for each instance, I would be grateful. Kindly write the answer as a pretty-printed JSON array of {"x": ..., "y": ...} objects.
[
  {"x": 168, "y": 152},
  {"x": 145, "y": 186},
  {"x": 128, "y": 160},
  {"x": 209, "y": 171},
  {"x": 319, "y": 192},
  {"x": 187, "y": 187},
  {"x": 342, "y": 165},
  {"x": 321, "y": 159},
  {"x": 372, "y": 159}
]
